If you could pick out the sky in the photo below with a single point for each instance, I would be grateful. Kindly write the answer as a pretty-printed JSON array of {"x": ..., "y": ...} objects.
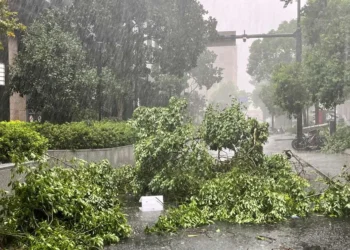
[{"x": 253, "y": 16}]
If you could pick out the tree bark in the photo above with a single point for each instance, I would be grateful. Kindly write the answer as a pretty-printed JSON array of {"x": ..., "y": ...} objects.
[
  {"x": 300, "y": 125},
  {"x": 18, "y": 104},
  {"x": 120, "y": 108},
  {"x": 305, "y": 118},
  {"x": 335, "y": 118},
  {"x": 317, "y": 113}
]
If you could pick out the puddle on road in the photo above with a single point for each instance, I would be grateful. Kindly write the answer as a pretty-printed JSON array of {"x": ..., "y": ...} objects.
[{"x": 312, "y": 233}]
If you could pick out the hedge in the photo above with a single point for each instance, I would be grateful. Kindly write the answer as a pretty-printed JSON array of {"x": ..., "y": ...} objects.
[
  {"x": 86, "y": 135},
  {"x": 338, "y": 142},
  {"x": 19, "y": 143}
]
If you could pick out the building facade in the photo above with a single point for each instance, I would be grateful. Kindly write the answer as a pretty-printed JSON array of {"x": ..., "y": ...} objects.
[{"x": 226, "y": 51}]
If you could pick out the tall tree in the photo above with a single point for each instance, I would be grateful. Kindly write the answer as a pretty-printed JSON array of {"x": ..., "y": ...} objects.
[
  {"x": 205, "y": 74},
  {"x": 327, "y": 58},
  {"x": 162, "y": 87},
  {"x": 290, "y": 93},
  {"x": 181, "y": 32},
  {"x": 257, "y": 101},
  {"x": 29, "y": 10},
  {"x": 127, "y": 28},
  {"x": 113, "y": 34},
  {"x": 51, "y": 69},
  {"x": 267, "y": 53},
  {"x": 225, "y": 92},
  {"x": 116, "y": 34},
  {"x": 267, "y": 96}
]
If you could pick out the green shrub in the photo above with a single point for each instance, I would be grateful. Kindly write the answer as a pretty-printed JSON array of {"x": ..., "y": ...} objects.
[
  {"x": 271, "y": 193},
  {"x": 63, "y": 208},
  {"x": 19, "y": 143},
  {"x": 86, "y": 135},
  {"x": 335, "y": 200},
  {"x": 125, "y": 180},
  {"x": 169, "y": 160},
  {"x": 172, "y": 156},
  {"x": 338, "y": 142}
]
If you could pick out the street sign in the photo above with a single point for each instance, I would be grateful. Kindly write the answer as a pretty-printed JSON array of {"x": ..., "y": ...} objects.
[{"x": 2, "y": 74}]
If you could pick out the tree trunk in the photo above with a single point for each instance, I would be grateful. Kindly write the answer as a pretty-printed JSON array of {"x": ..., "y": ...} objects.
[
  {"x": 305, "y": 118},
  {"x": 300, "y": 125},
  {"x": 335, "y": 118},
  {"x": 18, "y": 104},
  {"x": 120, "y": 108},
  {"x": 272, "y": 121},
  {"x": 317, "y": 113},
  {"x": 265, "y": 116}
]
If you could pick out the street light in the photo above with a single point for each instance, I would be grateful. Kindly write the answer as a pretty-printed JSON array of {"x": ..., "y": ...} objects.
[
  {"x": 245, "y": 37},
  {"x": 298, "y": 38}
]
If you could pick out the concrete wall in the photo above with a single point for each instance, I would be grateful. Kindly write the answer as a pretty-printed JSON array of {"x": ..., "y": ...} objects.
[
  {"x": 6, "y": 172},
  {"x": 116, "y": 156},
  {"x": 5, "y": 175}
]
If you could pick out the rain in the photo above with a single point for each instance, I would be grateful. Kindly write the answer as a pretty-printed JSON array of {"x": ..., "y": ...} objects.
[{"x": 174, "y": 124}]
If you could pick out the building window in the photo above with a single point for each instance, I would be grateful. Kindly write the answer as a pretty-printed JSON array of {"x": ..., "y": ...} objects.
[{"x": 2, "y": 74}]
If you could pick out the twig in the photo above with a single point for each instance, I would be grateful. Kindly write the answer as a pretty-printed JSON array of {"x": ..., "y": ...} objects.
[
  {"x": 265, "y": 238},
  {"x": 314, "y": 195},
  {"x": 60, "y": 160}
]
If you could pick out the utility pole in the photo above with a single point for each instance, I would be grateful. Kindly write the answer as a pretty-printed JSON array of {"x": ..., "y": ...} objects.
[{"x": 298, "y": 38}]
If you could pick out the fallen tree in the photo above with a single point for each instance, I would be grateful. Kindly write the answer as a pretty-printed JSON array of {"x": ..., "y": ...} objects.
[
  {"x": 60, "y": 207},
  {"x": 172, "y": 159}
]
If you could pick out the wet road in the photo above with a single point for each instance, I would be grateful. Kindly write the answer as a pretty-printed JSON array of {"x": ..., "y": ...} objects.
[
  {"x": 313, "y": 233},
  {"x": 329, "y": 164}
]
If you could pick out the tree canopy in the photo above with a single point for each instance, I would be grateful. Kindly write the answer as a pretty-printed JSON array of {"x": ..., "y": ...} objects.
[
  {"x": 267, "y": 53},
  {"x": 205, "y": 74},
  {"x": 290, "y": 93},
  {"x": 51, "y": 69},
  {"x": 326, "y": 58},
  {"x": 9, "y": 21},
  {"x": 126, "y": 37},
  {"x": 267, "y": 95},
  {"x": 225, "y": 92}
]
